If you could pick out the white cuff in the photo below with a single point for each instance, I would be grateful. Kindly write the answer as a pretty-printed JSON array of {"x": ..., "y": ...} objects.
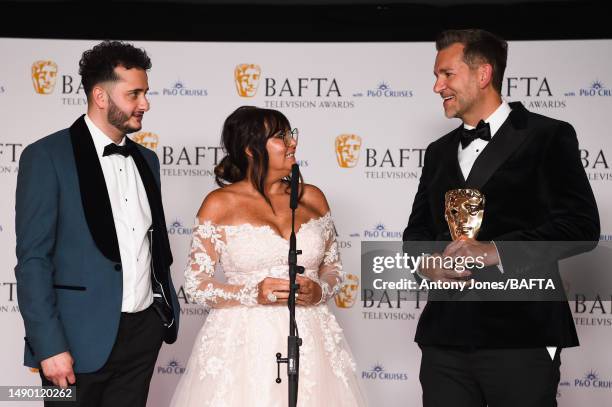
[{"x": 499, "y": 266}]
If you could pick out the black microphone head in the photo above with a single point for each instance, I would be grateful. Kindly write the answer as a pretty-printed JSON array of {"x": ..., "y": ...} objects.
[
  {"x": 295, "y": 171},
  {"x": 295, "y": 179}
]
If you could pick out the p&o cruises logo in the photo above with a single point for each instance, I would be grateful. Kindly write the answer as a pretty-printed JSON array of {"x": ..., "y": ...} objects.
[
  {"x": 380, "y": 232},
  {"x": 177, "y": 228},
  {"x": 384, "y": 90},
  {"x": 596, "y": 89},
  {"x": 179, "y": 89},
  {"x": 378, "y": 373},
  {"x": 590, "y": 380},
  {"x": 173, "y": 367}
]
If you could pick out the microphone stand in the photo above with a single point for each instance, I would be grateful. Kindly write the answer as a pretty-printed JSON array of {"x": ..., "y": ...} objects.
[{"x": 293, "y": 340}]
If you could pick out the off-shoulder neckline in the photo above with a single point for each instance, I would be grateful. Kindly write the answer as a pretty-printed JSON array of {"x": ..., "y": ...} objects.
[{"x": 298, "y": 229}]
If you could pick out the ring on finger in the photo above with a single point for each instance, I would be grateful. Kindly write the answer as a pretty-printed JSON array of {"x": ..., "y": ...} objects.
[{"x": 272, "y": 297}]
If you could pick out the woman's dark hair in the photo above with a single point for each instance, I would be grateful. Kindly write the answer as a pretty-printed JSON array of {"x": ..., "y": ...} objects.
[
  {"x": 249, "y": 127},
  {"x": 98, "y": 64}
]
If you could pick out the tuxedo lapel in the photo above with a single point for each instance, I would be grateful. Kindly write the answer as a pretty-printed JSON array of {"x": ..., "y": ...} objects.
[
  {"x": 94, "y": 194},
  {"x": 508, "y": 138},
  {"x": 450, "y": 150},
  {"x": 160, "y": 244}
]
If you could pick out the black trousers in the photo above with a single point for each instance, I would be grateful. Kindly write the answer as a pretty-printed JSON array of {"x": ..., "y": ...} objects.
[
  {"x": 124, "y": 379},
  {"x": 489, "y": 377}
]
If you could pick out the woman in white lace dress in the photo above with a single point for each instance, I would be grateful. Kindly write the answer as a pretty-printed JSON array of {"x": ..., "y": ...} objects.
[{"x": 243, "y": 229}]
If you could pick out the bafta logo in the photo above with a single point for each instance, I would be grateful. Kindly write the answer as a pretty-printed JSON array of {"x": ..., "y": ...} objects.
[
  {"x": 463, "y": 211},
  {"x": 348, "y": 292},
  {"x": 347, "y": 150},
  {"x": 146, "y": 139},
  {"x": 247, "y": 77},
  {"x": 44, "y": 74}
]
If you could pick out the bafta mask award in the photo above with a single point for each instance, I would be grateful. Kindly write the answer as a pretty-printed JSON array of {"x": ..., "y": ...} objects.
[{"x": 463, "y": 211}]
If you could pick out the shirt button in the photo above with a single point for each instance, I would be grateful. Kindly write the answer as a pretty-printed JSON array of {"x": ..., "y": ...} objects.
[{"x": 117, "y": 267}]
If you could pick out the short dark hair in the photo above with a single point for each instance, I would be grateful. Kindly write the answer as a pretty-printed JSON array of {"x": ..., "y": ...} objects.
[
  {"x": 479, "y": 46},
  {"x": 98, "y": 64}
]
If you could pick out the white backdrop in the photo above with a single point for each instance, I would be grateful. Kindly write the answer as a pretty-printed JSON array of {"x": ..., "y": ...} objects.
[{"x": 381, "y": 92}]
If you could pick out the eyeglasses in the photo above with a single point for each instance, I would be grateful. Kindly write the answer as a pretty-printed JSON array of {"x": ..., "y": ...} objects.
[{"x": 288, "y": 136}]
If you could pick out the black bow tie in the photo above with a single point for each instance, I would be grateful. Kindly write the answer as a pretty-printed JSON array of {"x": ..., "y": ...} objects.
[
  {"x": 482, "y": 131},
  {"x": 113, "y": 148}
]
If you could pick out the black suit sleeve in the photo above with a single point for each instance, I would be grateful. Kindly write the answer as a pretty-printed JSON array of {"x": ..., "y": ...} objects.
[
  {"x": 420, "y": 224},
  {"x": 571, "y": 204},
  {"x": 419, "y": 235}
]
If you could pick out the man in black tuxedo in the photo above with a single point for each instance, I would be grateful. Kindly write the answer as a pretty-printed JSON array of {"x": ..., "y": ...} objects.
[{"x": 528, "y": 168}]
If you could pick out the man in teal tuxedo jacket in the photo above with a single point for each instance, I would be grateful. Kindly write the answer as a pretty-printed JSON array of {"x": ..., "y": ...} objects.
[{"x": 93, "y": 271}]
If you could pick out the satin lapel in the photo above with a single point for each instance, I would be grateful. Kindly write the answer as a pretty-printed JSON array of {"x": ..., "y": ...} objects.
[
  {"x": 508, "y": 138},
  {"x": 94, "y": 194},
  {"x": 161, "y": 244},
  {"x": 449, "y": 152}
]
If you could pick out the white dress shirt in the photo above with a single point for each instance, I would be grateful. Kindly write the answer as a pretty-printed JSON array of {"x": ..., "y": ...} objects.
[
  {"x": 468, "y": 155},
  {"x": 132, "y": 218}
]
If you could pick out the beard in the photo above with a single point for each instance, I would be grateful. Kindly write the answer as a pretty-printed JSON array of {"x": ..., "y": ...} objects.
[{"x": 119, "y": 119}]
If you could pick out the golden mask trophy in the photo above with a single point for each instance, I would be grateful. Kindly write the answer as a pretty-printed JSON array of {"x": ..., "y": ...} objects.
[{"x": 463, "y": 211}]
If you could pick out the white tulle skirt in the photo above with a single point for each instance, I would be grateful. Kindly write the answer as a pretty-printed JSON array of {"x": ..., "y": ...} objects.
[{"x": 233, "y": 362}]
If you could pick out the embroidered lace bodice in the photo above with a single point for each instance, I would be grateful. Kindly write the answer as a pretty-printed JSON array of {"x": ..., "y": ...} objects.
[
  {"x": 248, "y": 253},
  {"x": 233, "y": 360}
]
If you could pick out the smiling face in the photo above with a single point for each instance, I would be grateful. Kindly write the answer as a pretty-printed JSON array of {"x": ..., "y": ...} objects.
[
  {"x": 280, "y": 156},
  {"x": 456, "y": 82},
  {"x": 127, "y": 101},
  {"x": 464, "y": 210}
]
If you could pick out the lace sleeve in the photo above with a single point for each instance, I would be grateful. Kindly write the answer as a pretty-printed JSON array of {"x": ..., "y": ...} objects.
[
  {"x": 201, "y": 287},
  {"x": 331, "y": 276}
]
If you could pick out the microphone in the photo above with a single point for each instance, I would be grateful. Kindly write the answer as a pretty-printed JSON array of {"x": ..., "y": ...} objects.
[{"x": 295, "y": 178}]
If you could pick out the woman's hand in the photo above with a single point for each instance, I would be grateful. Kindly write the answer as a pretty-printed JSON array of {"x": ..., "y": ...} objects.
[
  {"x": 272, "y": 291},
  {"x": 277, "y": 289},
  {"x": 310, "y": 291}
]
